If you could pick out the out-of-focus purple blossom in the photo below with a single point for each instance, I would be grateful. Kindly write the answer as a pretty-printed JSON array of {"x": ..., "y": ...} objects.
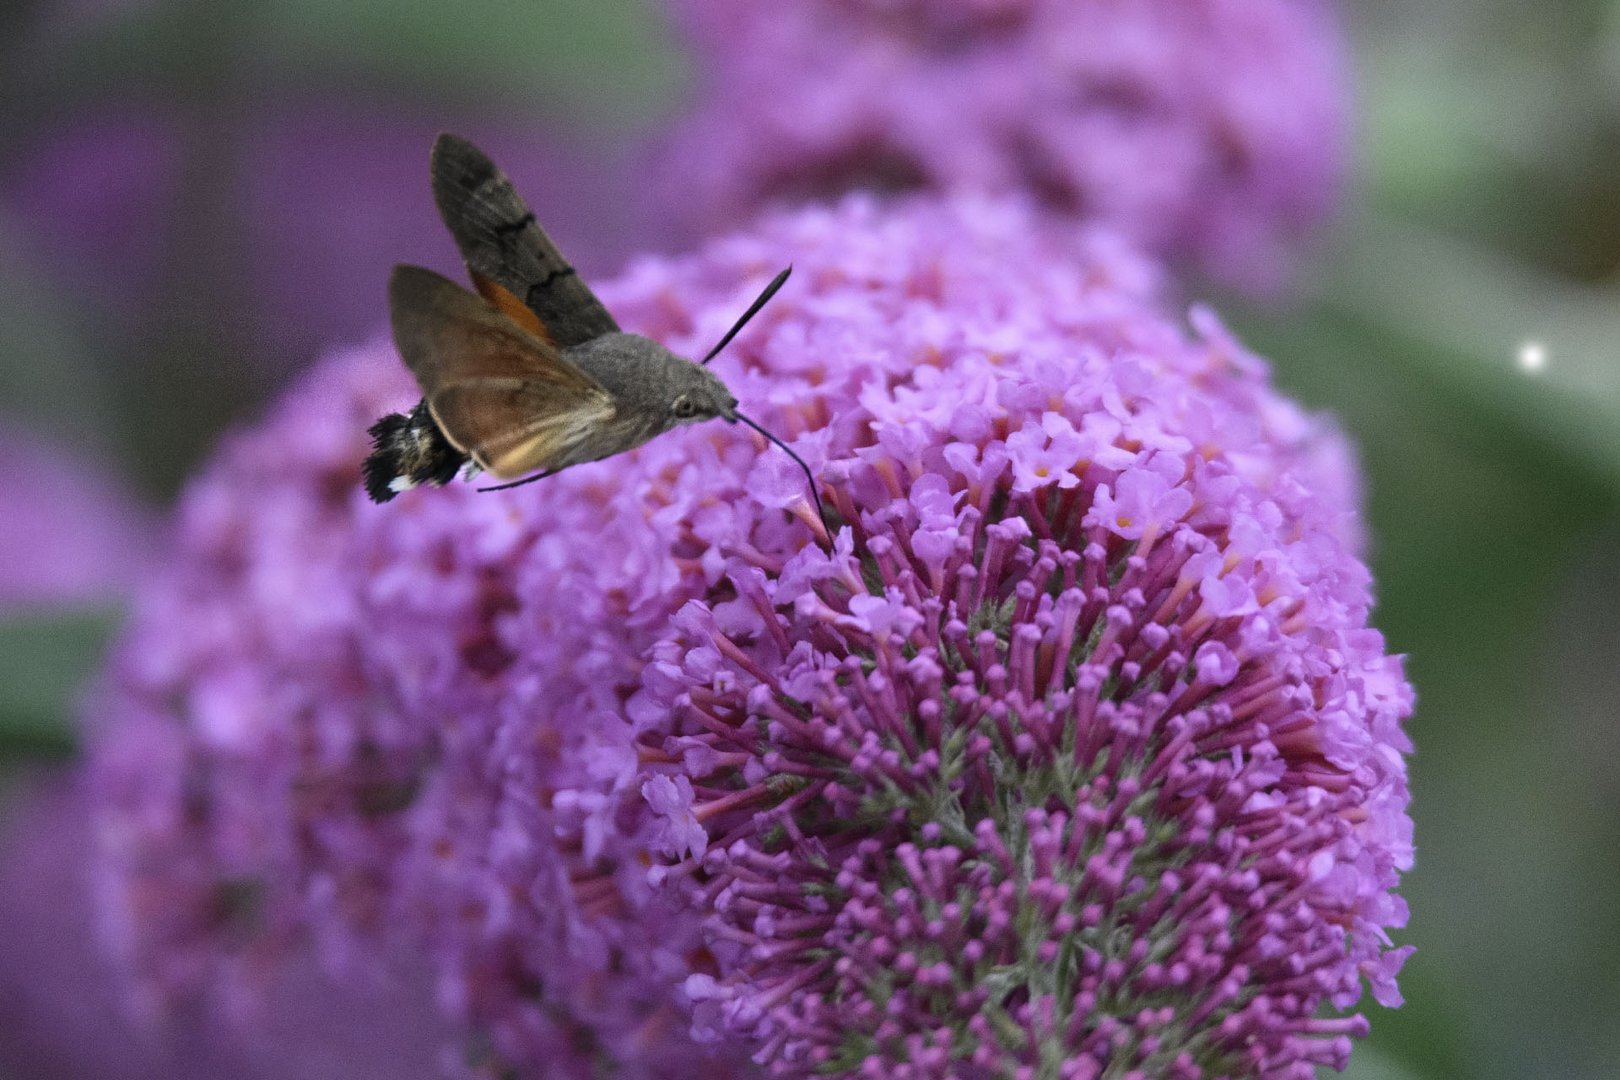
[
  {"x": 1210, "y": 131},
  {"x": 69, "y": 534},
  {"x": 63, "y": 1017},
  {"x": 633, "y": 754},
  {"x": 91, "y": 195},
  {"x": 290, "y": 219}
]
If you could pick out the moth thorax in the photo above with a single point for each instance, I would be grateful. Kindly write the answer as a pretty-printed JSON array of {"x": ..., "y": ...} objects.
[{"x": 647, "y": 380}]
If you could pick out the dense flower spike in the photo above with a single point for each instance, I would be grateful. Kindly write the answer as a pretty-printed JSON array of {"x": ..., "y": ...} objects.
[
  {"x": 1018, "y": 780},
  {"x": 1210, "y": 131},
  {"x": 1072, "y": 746}
]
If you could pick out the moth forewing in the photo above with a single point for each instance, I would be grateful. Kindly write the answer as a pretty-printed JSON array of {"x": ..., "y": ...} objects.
[
  {"x": 445, "y": 330},
  {"x": 500, "y": 239},
  {"x": 522, "y": 453},
  {"x": 511, "y": 431},
  {"x": 499, "y": 393}
]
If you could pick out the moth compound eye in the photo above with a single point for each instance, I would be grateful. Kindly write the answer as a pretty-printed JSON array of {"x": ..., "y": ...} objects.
[{"x": 684, "y": 409}]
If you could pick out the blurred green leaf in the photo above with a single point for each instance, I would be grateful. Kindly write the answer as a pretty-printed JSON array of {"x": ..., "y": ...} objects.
[
  {"x": 1542, "y": 353},
  {"x": 1491, "y": 120},
  {"x": 45, "y": 660},
  {"x": 1423, "y": 139},
  {"x": 48, "y": 373},
  {"x": 1476, "y": 514},
  {"x": 590, "y": 62},
  {"x": 1366, "y": 1063},
  {"x": 1433, "y": 121},
  {"x": 602, "y": 65}
]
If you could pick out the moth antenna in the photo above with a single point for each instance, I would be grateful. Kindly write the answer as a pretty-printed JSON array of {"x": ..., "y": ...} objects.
[
  {"x": 814, "y": 494},
  {"x": 753, "y": 309}
]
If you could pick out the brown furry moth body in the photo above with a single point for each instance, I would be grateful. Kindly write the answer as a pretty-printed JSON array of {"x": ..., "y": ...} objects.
[{"x": 530, "y": 374}]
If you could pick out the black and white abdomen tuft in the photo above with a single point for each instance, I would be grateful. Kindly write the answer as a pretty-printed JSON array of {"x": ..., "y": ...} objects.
[{"x": 408, "y": 450}]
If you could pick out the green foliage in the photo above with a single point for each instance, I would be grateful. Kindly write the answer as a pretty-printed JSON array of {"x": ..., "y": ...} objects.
[
  {"x": 580, "y": 63},
  {"x": 45, "y": 661}
]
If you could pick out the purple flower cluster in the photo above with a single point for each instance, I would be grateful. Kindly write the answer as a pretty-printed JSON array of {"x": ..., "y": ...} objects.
[
  {"x": 1071, "y": 748},
  {"x": 1099, "y": 766},
  {"x": 1209, "y": 131}
]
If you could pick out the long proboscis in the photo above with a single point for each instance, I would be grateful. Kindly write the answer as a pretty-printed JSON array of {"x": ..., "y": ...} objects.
[
  {"x": 821, "y": 511},
  {"x": 753, "y": 309}
]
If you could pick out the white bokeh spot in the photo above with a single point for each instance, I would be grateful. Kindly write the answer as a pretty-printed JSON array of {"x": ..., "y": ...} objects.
[{"x": 1532, "y": 357}]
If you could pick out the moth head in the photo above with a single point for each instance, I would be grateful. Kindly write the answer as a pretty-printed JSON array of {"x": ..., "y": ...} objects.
[{"x": 702, "y": 397}]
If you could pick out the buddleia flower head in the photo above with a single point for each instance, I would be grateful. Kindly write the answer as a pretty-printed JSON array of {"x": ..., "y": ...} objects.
[{"x": 1067, "y": 748}]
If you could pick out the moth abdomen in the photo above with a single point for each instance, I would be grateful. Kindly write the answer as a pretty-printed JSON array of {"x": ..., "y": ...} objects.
[{"x": 408, "y": 450}]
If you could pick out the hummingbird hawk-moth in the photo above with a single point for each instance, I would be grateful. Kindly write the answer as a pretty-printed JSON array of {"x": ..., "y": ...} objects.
[{"x": 529, "y": 374}]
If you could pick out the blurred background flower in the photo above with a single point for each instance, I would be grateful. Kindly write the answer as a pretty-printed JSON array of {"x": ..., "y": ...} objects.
[
  {"x": 65, "y": 1017},
  {"x": 71, "y": 535},
  {"x": 1461, "y": 323},
  {"x": 1209, "y": 131}
]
